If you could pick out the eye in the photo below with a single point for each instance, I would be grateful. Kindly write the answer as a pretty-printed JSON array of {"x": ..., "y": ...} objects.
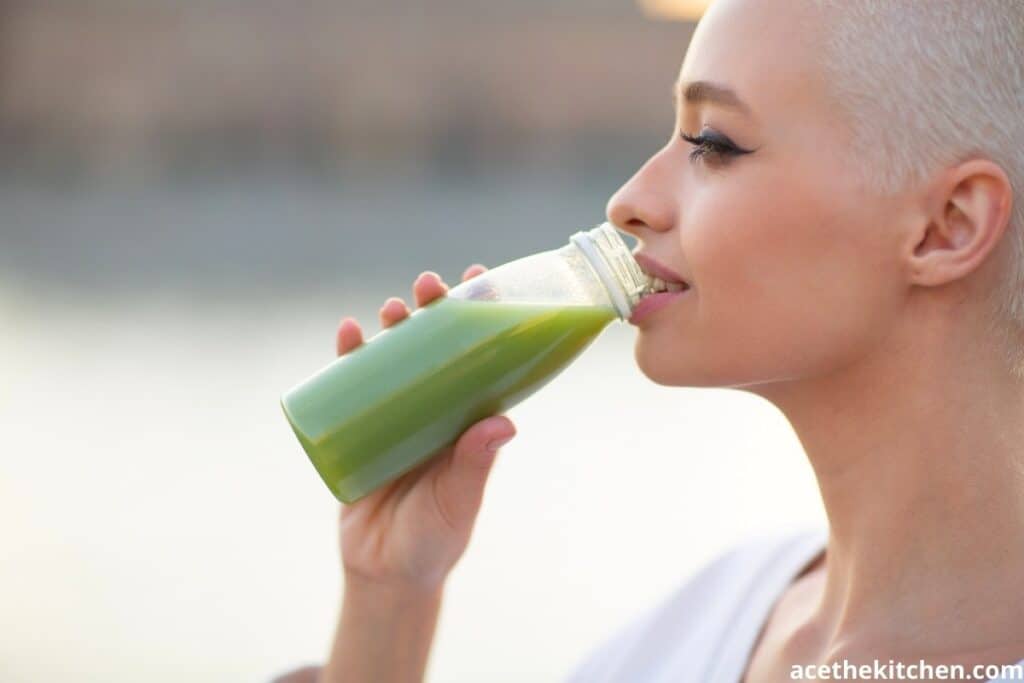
[{"x": 713, "y": 146}]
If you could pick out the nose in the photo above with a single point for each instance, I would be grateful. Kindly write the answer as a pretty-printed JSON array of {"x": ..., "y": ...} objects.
[{"x": 645, "y": 202}]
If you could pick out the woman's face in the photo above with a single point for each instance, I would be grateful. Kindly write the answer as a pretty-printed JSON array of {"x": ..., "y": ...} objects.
[{"x": 792, "y": 264}]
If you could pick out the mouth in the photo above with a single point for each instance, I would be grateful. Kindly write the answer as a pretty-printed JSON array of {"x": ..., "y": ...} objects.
[
  {"x": 662, "y": 278},
  {"x": 665, "y": 287}
]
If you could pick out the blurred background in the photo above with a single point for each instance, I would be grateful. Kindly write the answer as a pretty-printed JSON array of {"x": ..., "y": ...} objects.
[{"x": 193, "y": 194}]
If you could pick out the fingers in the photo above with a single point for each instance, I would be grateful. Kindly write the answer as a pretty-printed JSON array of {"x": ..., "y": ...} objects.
[
  {"x": 460, "y": 486},
  {"x": 349, "y": 336},
  {"x": 473, "y": 271},
  {"x": 393, "y": 311},
  {"x": 427, "y": 287}
]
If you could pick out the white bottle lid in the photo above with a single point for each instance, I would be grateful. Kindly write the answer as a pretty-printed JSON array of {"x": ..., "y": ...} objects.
[{"x": 615, "y": 266}]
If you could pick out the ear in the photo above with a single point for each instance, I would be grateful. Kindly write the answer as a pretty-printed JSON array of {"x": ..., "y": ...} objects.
[{"x": 968, "y": 210}]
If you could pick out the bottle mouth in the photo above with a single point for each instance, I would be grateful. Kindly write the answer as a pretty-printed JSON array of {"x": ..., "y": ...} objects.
[{"x": 620, "y": 272}]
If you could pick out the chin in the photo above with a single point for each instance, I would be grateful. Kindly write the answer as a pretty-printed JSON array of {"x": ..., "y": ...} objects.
[
  {"x": 655, "y": 361},
  {"x": 664, "y": 361}
]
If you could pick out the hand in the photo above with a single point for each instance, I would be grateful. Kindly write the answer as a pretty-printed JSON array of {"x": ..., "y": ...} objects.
[{"x": 411, "y": 532}]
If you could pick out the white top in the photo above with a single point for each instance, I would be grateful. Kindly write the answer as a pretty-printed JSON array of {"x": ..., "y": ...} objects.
[{"x": 706, "y": 630}]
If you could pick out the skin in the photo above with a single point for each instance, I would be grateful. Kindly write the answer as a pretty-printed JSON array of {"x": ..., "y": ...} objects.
[
  {"x": 869, "y": 334},
  {"x": 859, "y": 316},
  {"x": 399, "y": 543}
]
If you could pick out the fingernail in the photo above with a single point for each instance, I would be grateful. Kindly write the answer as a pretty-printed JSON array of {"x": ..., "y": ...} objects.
[{"x": 498, "y": 443}]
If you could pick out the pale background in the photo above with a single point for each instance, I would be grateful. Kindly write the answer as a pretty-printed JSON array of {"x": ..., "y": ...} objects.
[{"x": 193, "y": 194}]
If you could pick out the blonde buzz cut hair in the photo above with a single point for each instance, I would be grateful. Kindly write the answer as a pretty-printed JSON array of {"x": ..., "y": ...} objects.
[{"x": 929, "y": 83}]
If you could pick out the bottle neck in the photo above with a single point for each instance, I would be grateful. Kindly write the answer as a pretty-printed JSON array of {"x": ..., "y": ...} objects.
[{"x": 615, "y": 266}]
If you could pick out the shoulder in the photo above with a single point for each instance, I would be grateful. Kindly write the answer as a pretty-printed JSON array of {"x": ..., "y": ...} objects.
[
  {"x": 686, "y": 623},
  {"x": 307, "y": 674}
]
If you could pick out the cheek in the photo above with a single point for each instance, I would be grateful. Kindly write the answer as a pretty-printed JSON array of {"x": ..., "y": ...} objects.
[{"x": 786, "y": 285}]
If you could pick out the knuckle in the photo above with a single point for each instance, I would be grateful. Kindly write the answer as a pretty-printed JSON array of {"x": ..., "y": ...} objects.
[{"x": 392, "y": 307}]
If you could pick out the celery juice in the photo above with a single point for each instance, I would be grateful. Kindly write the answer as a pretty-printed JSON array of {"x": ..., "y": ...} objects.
[{"x": 380, "y": 410}]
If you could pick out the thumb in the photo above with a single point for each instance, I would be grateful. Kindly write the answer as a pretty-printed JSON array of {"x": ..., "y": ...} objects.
[{"x": 460, "y": 486}]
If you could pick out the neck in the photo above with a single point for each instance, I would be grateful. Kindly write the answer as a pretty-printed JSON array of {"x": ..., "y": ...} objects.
[{"x": 918, "y": 450}]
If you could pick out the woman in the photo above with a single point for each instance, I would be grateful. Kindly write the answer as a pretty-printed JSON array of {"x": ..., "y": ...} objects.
[{"x": 837, "y": 192}]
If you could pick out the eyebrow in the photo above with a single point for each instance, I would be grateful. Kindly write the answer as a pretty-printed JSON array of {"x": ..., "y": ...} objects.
[{"x": 699, "y": 92}]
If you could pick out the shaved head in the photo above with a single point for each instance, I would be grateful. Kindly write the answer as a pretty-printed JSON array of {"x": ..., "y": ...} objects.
[{"x": 928, "y": 83}]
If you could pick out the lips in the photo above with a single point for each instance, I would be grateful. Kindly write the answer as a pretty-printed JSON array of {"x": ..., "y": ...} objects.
[
  {"x": 657, "y": 270},
  {"x": 653, "y": 302},
  {"x": 667, "y": 287}
]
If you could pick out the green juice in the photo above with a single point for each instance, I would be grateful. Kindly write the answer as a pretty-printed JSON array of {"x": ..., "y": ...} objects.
[{"x": 380, "y": 410}]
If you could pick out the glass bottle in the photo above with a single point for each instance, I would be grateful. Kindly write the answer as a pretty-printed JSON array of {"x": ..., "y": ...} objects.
[{"x": 378, "y": 411}]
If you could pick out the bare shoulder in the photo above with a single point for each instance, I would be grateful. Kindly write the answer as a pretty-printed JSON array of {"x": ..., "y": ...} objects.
[{"x": 307, "y": 674}]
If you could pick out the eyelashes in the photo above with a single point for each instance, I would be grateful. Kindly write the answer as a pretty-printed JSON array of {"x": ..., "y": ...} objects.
[{"x": 712, "y": 146}]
